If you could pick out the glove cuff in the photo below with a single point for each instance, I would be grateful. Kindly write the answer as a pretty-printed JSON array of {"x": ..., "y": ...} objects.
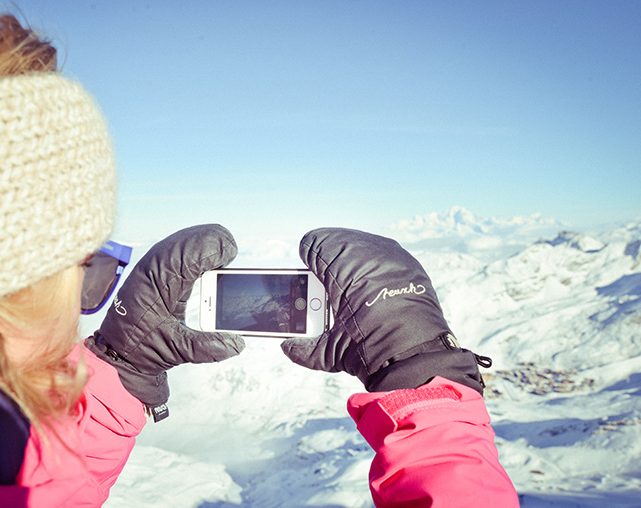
[
  {"x": 150, "y": 389},
  {"x": 458, "y": 365}
]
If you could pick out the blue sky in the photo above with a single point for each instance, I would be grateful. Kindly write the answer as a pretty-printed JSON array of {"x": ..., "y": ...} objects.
[{"x": 274, "y": 117}]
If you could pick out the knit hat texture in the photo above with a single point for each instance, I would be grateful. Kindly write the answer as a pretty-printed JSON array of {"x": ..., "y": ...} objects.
[{"x": 57, "y": 177}]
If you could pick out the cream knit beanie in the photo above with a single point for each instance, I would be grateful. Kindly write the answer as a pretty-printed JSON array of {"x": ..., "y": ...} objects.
[{"x": 57, "y": 178}]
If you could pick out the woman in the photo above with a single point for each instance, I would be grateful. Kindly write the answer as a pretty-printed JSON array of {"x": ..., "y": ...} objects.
[
  {"x": 57, "y": 206},
  {"x": 68, "y": 424},
  {"x": 69, "y": 413}
]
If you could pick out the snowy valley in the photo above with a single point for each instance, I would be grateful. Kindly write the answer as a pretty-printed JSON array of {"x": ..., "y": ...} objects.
[{"x": 559, "y": 313}]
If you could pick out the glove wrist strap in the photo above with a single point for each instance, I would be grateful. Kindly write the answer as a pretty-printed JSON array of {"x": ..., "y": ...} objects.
[{"x": 456, "y": 365}]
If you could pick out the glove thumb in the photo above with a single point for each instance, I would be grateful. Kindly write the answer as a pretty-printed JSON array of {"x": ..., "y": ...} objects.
[
  {"x": 309, "y": 353},
  {"x": 321, "y": 353},
  {"x": 194, "y": 346}
]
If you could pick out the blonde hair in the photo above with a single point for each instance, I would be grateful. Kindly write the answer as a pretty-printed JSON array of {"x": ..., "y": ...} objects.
[{"x": 43, "y": 317}]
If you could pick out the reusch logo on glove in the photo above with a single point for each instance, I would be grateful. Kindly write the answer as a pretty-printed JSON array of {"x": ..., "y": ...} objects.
[{"x": 417, "y": 289}]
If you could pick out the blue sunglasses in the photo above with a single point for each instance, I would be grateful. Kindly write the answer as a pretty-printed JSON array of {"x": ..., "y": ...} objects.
[{"x": 102, "y": 273}]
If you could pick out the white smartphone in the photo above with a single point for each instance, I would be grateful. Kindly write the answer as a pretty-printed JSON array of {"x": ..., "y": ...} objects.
[{"x": 267, "y": 303}]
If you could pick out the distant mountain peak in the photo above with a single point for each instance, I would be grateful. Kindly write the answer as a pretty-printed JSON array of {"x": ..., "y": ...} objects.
[
  {"x": 461, "y": 215},
  {"x": 577, "y": 241},
  {"x": 460, "y": 218},
  {"x": 460, "y": 230}
]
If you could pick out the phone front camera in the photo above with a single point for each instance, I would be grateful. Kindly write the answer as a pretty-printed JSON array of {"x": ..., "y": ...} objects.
[{"x": 300, "y": 303}]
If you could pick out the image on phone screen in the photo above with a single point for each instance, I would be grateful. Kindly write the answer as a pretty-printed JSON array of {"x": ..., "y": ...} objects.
[{"x": 266, "y": 302}]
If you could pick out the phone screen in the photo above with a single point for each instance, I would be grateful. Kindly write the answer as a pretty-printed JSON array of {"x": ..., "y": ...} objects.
[{"x": 262, "y": 302}]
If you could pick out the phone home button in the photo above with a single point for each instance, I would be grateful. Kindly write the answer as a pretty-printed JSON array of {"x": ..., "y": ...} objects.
[{"x": 315, "y": 304}]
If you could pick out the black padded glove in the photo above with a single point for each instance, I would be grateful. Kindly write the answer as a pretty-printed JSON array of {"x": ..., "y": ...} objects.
[
  {"x": 389, "y": 328},
  {"x": 143, "y": 333}
]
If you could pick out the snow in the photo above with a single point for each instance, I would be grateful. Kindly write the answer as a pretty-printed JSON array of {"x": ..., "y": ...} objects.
[
  {"x": 560, "y": 314},
  {"x": 462, "y": 231}
]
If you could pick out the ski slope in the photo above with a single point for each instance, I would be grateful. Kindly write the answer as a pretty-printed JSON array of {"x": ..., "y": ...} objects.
[{"x": 560, "y": 314}]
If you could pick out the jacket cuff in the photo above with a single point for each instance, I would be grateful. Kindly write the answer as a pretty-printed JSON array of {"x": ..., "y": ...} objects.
[{"x": 381, "y": 413}]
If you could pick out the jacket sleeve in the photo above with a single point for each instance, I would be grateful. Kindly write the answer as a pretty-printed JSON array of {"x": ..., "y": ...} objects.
[
  {"x": 113, "y": 419},
  {"x": 434, "y": 448},
  {"x": 76, "y": 461}
]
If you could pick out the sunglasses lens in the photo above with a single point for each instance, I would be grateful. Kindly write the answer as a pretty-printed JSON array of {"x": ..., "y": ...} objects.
[{"x": 101, "y": 276}]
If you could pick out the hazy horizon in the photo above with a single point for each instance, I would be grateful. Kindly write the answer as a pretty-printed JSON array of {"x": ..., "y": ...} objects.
[{"x": 275, "y": 117}]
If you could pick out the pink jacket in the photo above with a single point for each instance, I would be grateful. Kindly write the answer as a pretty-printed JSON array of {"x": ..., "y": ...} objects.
[
  {"x": 97, "y": 442},
  {"x": 434, "y": 448}
]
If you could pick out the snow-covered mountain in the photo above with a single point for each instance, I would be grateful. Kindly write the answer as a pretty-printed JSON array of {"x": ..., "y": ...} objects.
[
  {"x": 562, "y": 320},
  {"x": 459, "y": 230},
  {"x": 559, "y": 312}
]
